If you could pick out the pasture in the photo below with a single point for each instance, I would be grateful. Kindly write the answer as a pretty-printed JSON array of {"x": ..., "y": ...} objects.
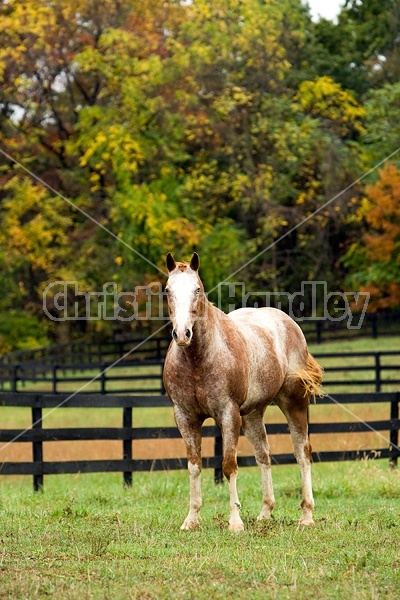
[{"x": 87, "y": 537}]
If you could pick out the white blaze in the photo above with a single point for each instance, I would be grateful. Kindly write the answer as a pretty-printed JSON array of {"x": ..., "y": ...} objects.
[{"x": 182, "y": 288}]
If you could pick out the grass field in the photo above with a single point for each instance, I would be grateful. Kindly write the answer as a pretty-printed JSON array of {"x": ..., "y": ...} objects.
[{"x": 87, "y": 537}]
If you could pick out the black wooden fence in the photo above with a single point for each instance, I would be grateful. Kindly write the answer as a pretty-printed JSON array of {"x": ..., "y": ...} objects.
[
  {"x": 104, "y": 376},
  {"x": 88, "y": 353},
  {"x": 366, "y": 370},
  {"x": 373, "y": 325},
  {"x": 37, "y": 435}
]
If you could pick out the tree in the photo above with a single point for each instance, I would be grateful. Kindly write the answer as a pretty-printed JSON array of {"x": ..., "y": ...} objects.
[
  {"x": 382, "y": 125},
  {"x": 256, "y": 149},
  {"x": 90, "y": 102},
  {"x": 375, "y": 262},
  {"x": 361, "y": 50},
  {"x": 183, "y": 126}
]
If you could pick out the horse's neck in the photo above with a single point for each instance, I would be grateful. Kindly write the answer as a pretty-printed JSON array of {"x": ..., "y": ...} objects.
[{"x": 207, "y": 333}]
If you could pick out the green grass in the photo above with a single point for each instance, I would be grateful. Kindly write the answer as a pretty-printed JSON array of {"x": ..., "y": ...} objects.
[{"x": 87, "y": 537}]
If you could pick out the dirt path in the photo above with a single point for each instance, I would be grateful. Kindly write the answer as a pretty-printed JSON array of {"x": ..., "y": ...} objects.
[{"x": 165, "y": 448}]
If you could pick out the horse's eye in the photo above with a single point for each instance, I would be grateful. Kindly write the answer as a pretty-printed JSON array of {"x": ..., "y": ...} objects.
[{"x": 197, "y": 292}]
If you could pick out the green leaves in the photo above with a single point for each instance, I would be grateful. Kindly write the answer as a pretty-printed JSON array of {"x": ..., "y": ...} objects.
[
  {"x": 210, "y": 127},
  {"x": 34, "y": 227}
]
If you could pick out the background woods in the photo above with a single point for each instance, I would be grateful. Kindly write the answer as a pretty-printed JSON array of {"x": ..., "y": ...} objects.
[{"x": 202, "y": 126}]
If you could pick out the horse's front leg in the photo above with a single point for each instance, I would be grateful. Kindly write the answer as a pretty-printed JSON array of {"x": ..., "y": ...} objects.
[
  {"x": 190, "y": 429},
  {"x": 230, "y": 422}
]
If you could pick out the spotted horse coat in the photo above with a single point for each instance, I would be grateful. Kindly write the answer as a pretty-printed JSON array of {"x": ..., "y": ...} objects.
[{"x": 231, "y": 367}]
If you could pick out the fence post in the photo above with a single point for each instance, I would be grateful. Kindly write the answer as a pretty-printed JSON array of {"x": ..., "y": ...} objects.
[
  {"x": 319, "y": 331},
  {"x": 37, "y": 446},
  {"x": 378, "y": 380},
  {"x": 15, "y": 378},
  {"x": 159, "y": 356},
  {"x": 374, "y": 318},
  {"x": 163, "y": 390},
  {"x": 103, "y": 379},
  {"x": 394, "y": 432},
  {"x": 218, "y": 475},
  {"x": 55, "y": 367},
  {"x": 127, "y": 443}
]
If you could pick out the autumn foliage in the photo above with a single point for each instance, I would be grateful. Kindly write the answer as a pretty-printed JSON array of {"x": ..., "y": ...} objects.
[
  {"x": 208, "y": 126},
  {"x": 379, "y": 252}
]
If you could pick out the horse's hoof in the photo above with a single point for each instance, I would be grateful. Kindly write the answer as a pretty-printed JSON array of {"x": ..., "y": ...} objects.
[
  {"x": 263, "y": 517},
  {"x": 306, "y": 522},
  {"x": 190, "y": 525},
  {"x": 236, "y": 527}
]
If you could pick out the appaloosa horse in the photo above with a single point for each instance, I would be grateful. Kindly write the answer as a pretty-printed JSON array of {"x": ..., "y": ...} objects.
[{"x": 230, "y": 367}]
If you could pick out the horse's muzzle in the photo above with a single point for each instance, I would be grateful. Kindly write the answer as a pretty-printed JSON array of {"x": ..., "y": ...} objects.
[{"x": 182, "y": 339}]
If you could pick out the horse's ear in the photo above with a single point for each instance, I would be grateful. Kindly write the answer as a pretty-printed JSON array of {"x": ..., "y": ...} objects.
[
  {"x": 195, "y": 262},
  {"x": 171, "y": 264}
]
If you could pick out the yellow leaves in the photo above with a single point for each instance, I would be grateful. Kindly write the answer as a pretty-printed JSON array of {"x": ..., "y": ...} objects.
[
  {"x": 233, "y": 98},
  {"x": 263, "y": 179},
  {"x": 241, "y": 96},
  {"x": 198, "y": 127},
  {"x": 94, "y": 179},
  {"x": 33, "y": 225},
  {"x": 301, "y": 198},
  {"x": 363, "y": 208},
  {"x": 204, "y": 10},
  {"x": 101, "y": 138},
  {"x": 181, "y": 232},
  {"x": 325, "y": 98},
  {"x": 112, "y": 147},
  {"x": 31, "y": 20},
  {"x": 154, "y": 222}
]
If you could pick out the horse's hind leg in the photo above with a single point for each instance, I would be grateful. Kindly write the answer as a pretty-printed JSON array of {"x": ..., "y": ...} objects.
[
  {"x": 254, "y": 430},
  {"x": 294, "y": 407}
]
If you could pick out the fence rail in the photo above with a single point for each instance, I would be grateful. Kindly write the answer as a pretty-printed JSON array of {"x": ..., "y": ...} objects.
[
  {"x": 37, "y": 435},
  {"x": 373, "y": 326},
  {"x": 89, "y": 352}
]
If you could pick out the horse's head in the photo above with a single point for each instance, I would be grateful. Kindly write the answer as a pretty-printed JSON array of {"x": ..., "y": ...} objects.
[{"x": 184, "y": 290}]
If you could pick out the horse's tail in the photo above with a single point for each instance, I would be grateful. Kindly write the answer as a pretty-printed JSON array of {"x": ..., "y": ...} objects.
[{"x": 310, "y": 376}]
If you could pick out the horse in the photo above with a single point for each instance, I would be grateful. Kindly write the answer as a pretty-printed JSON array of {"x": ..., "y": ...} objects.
[{"x": 231, "y": 367}]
